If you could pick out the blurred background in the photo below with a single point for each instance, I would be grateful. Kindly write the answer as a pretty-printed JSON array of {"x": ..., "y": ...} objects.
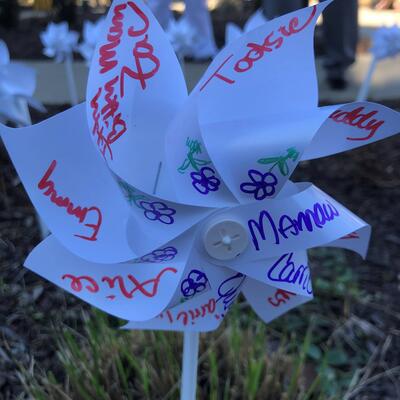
[{"x": 343, "y": 345}]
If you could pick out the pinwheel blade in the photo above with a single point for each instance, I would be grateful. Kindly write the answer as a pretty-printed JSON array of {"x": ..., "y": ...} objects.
[
  {"x": 71, "y": 187},
  {"x": 194, "y": 176},
  {"x": 351, "y": 126},
  {"x": 301, "y": 221},
  {"x": 232, "y": 32},
  {"x": 244, "y": 110},
  {"x": 132, "y": 291},
  {"x": 256, "y": 20},
  {"x": 269, "y": 302},
  {"x": 135, "y": 88}
]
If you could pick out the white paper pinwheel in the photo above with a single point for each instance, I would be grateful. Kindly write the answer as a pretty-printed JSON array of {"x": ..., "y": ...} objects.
[
  {"x": 182, "y": 37},
  {"x": 91, "y": 35},
  {"x": 192, "y": 35},
  {"x": 385, "y": 44},
  {"x": 59, "y": 41},
  {"x": 233, "y": 32},
  {"x": 163, "y": 207},
  {"x": 17, "y": 86}
]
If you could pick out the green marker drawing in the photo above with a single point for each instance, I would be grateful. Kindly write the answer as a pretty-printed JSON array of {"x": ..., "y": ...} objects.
[
  {"x": 131, "y": 196},
  {"x": 281, "y": 162},
  {"x": 190, "y": 160}
]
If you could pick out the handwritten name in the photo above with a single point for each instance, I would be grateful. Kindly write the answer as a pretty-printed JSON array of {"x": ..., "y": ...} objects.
[
  {"x": 148, "y": 288},
  {"x": 192, "y": 315},
  {"x": 109, "y": 123},
  {"x": 228, "y": 290},
  {"x": 273, "y": 41},
  {"x": 280, "y": 297},
  {"x": 285, "y": 270},
  {"x": 357, "y": 119},
  {"x": 286, "y": 226},
  {"x": 81, "y": 214}
]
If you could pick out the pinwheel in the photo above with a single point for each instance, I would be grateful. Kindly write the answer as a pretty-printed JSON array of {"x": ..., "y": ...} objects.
[
  {"x": 59, "y": 43},
  {"x": 233, "y": 32},
  {"x": 164, "y": 207},
  {"x": 199, "y": 43},
  {"x": 385, "y": 44},
  {"x": 182, "y": 37},
  {"x": 91, "y": 34},
  {"x": 17, "y": 86}
]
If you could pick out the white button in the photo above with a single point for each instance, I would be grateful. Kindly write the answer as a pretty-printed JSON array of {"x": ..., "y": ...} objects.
[{"x": 225, "y": 240}]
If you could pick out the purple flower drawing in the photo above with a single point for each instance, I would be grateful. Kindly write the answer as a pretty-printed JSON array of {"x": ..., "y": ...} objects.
[
  {"x": 158, "y": 211},
  {"x": 262, "y": 185},
  {"x": 205, "y": 181}
]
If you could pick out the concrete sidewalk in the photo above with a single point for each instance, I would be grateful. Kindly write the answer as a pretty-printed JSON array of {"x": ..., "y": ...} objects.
[{"x": 52, "y": 84}]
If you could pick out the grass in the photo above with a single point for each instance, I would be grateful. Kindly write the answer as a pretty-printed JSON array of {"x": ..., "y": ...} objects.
[{"x": 307, "y": 354}]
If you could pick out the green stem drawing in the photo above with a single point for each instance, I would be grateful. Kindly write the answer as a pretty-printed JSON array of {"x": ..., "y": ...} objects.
[{"x": 281, "y": 162}]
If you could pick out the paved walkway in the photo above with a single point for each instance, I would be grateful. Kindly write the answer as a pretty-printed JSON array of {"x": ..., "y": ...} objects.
[{"x": 52, "y": 87}]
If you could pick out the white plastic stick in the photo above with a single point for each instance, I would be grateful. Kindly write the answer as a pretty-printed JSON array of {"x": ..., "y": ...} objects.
[
  {"x": 73, "y": 94},
  {"x": 23, "y": 104},
  {"x": 189, "y": 365},
  {"x": 365, "y": 87}
]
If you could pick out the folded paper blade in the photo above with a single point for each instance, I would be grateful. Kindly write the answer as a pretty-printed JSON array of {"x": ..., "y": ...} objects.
[
  {"x": 351, "y": 126},
  {"x": 304, "y": 220},
  {"x": 135, "y": 88},
  {"x": 205, "y": 311},
  {"x": 233, "y": 32},
  {"x": 17, "y": 80},
  {"x": 269, "y": 302},
  {"x": 157, "y": 221},
  {"x": 261, "y": 151},
  {"x": 71, "y": 186},
  {"x": 131, "y": 291},
  {"x": 357, "y": 241},
  {"x": 202, "y": 314},
  {"x": 195, "y": 178},
  {"x": 259, "y": 73},
  {"x": 259, "y": 100},
  {"x": 290, "y": 272}
]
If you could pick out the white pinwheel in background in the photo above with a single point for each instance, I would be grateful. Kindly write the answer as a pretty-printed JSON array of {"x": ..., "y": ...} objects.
[
  {"x": 195, "y": 21},
  {"x": 17, "y": 86},
  {"x": 385, "y": 44},
  {"x": 59, "y": 43},
  {"x": 91, "y": 34},
  {"x": 163, "y": 207},
  {"x": 233, "y": 32},
  {"x": 182, "y": 36}
]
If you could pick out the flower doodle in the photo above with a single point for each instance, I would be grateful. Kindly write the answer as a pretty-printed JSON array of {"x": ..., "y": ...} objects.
[
  {"x": 158, "y": 211},
  {"x": 205, "y": 181},
  {"x": 160, "y": 255},
  {"x": 195, "y": 283},
  {"x": 262, "y": 185},
  {"x": 221, "y": 198}
]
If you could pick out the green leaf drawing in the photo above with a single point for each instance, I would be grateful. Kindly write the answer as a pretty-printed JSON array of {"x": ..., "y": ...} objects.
[
  {"x": 270, "y": 160},
  {"x": 184, "y": 166},
  {"x": 281, "y": 162}
]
